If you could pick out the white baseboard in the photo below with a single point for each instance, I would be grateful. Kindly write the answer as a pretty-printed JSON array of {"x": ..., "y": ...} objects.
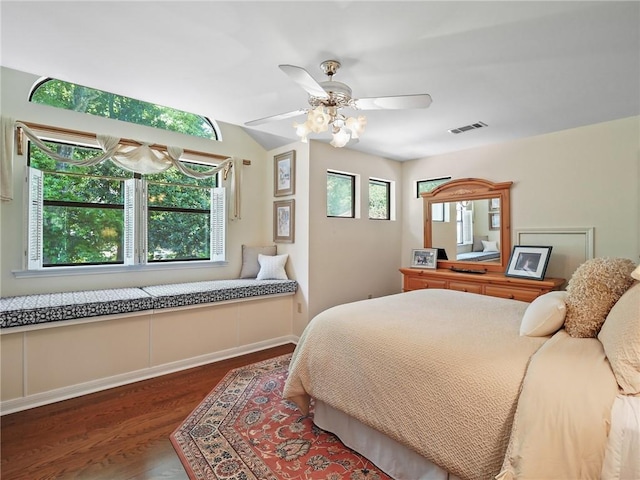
[{"x": 36, "y": 400}]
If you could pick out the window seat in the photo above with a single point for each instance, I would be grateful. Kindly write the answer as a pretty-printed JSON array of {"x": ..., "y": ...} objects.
[{"x": 53, "y": 307}]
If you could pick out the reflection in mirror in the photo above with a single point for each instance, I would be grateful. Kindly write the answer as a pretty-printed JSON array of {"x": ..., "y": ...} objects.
[
  {"x": 469, "y": 230},
  {"x": 469, "y": 219}
]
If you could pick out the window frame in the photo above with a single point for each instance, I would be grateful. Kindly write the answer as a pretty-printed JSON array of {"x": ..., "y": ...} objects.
[
  {"x": 439, "y": 181},
  {"x": 388, "y": 191},
  {"x": 216, "y": 134},
  {"x": 354, "y": 193},
  {"x": 135, "y": 254}
]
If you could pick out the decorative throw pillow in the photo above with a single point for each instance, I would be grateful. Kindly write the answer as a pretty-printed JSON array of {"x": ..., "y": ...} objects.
[
  {"x": 594, "y": 288},
  {"x": 272, "y": 267},
  {"x": 477, "y": 242},
  {"x": 544, "y": 316},
  {"x": 620, "y": 337},
  {"x": 250, "y": 265},
  {"x": 489, "y": 246}
]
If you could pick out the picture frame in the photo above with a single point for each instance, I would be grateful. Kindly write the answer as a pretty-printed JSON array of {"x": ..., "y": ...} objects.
[
  {"x": 284, "y": 220},
  {"x": 494, "y": 220},
  {"x": 284, "y": 174},
  {"x": 528, "y": 262},
  {"x": 494, "y": 204},
  {"x": 424, "y": 258}
]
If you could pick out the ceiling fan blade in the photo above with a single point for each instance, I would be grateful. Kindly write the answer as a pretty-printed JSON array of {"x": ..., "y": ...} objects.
[
  {"x": 305, "y": 80},
  {"x": 273, "y": 118},
  {"x": 399, "y": 102}
]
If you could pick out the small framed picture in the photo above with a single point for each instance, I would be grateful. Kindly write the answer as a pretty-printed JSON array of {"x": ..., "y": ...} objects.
[
  {"x": 494, "y": 204},
  {"x": 284, "y": 174},
  {"x": 494, "y": 220},
  {"x": 528, "y": 262},
  {"x": 284, "y": 216},
  {"x": 424, "y": 258}
]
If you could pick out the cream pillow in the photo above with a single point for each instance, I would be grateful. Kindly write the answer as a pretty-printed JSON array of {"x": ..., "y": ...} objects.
[
  {"x": 250, "y": 265},
  {"x": 489, "y": 246},
  {"x": 545, "y": 315},
  {"x": 620, "y": 337},
  {"x": 272, "y": 267}
]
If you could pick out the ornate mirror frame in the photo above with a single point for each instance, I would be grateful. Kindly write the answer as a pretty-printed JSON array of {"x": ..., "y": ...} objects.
[{"x": 472, "y": 189}]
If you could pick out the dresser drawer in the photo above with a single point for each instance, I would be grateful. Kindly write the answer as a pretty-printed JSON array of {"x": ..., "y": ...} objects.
[
  {"x": 466, "y": 287},
  {"x": 524, "y": 295},
  {"x": 417, "y": 283}
]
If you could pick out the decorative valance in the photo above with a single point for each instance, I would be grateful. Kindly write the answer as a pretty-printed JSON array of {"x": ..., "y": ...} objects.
[{"x": 143, "y": 158}]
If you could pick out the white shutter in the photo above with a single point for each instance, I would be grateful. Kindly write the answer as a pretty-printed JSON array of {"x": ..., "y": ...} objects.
[
  {"x": 34, "y": 242},
  {"x": 218, "y": 224},
  {"x": 467, "y": 227},
  {"x": 129, "y": 221}
]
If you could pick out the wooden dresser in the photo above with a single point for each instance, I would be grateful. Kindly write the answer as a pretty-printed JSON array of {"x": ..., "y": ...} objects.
[{"x": 490, "y": 283}]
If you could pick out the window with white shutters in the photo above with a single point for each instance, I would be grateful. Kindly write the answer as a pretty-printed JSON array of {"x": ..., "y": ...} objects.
[{"x": 104, "y": 215}]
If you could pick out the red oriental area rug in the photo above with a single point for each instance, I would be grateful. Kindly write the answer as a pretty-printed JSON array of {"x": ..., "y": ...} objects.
[{"x": 245, "y": 430}]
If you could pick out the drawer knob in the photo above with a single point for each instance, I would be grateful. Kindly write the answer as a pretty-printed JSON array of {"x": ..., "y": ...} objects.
[{"x": 511, "y": 296}]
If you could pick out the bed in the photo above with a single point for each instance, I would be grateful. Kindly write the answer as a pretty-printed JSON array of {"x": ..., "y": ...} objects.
[{"x": 427, "y": 391}]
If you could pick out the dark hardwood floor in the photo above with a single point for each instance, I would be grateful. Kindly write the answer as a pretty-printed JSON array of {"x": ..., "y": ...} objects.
[{"x": 118, "y": 434}]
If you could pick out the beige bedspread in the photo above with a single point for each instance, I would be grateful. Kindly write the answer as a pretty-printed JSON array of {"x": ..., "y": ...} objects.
[
  {"x": 437, "y": 370},
  {"x": 564, "y": 413}
]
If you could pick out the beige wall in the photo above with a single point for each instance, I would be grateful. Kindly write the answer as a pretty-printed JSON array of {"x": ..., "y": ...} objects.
[
  {"x": 584, "y": 177},
  {"x": 350, "y": 259}
]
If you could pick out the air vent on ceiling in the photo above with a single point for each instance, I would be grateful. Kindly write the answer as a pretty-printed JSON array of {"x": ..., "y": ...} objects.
[{"x": 466, "y": 128}]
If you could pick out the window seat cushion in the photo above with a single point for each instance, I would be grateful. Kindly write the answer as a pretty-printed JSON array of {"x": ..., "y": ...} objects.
[
  {"x": 54, "y": 307},
  {"x": 183, "y": 294}
]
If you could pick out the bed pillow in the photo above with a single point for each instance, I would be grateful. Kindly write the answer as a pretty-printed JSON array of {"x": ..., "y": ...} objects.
[
  {"x": 620, "y": 337},
  {"x": 272, "y": 267},
  {"x": 250, "y": 265},
  {"x": 544, "y": 316},
  {"x": 594, "y": 288},
  {"x": 477, "y": 242},
  {"x": 489, "y": 246}
]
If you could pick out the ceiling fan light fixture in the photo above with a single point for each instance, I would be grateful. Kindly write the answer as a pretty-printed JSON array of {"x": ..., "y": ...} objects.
[
  {"x": 340, "y": 138},
  {"x": 318, "y": 120},
  {"x": 302, "y": 130},
  {"x": 356, "y": 125}
]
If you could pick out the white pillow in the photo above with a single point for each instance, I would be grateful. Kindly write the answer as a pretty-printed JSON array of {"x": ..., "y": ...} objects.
[
  {"x": 272, "y": 267},
  {"x": 545, "y": 315},
  {"x": 490, "y": 246}
]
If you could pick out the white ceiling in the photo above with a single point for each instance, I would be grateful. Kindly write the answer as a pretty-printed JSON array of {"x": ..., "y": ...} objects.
[{"x": 524, "y": 68}]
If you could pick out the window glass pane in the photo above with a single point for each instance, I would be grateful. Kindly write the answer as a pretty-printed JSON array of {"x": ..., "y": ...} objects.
[
  {"x": 69, "y": 96},
  {"x": 83, "y": 214},
  {"x": 430, "y": 184},
  {"x": 178, "y": 235},
  {"x": 379, "y": 199},
  {"x": 82, "y": 235},
  {"x": 340, "y": 195},
  {"x": 179, "y": 216}
]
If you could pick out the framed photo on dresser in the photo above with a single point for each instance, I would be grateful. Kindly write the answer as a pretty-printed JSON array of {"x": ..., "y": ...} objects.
[
  {"x": 528, "y": 262},
  {"x": 424, "y": 258}
]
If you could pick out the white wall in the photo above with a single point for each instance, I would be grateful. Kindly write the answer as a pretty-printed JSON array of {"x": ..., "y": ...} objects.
[
  {"x": 583, "y": 177},
  {"x": 251, "y": 229},
  {"x": 350, "y": 259}
]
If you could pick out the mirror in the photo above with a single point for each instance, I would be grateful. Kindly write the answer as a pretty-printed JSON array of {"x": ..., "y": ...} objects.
[{"x": 469, "y": 219}]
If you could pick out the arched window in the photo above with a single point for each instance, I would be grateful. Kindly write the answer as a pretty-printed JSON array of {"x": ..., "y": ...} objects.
[{"x": 70, "y": 96}]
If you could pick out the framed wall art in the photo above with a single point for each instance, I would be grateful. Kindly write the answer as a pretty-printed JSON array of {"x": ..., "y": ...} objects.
[
  {"x": 424, "y": 258},
  {"x": 284, "y": 174},
  {"x": 528, "y": 262},
  {"x": 284, "y": 216},
  {"x": 494, "y": 220}
]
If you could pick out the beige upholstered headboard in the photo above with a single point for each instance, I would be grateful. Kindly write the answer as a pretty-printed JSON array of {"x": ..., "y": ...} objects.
[{"x": 571, "y": 247}]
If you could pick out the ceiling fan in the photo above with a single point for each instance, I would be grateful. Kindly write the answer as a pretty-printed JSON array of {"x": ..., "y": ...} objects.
[{"x": 328, "y": 97}]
